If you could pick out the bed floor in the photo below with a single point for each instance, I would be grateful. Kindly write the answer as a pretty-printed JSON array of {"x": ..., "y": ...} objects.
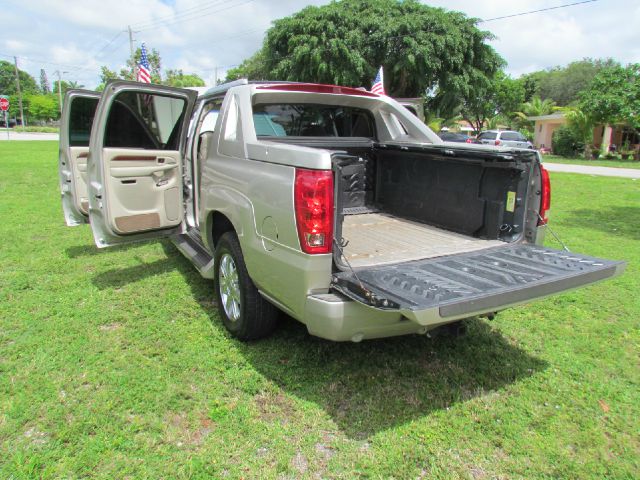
[{"x": 380, "y": 239}]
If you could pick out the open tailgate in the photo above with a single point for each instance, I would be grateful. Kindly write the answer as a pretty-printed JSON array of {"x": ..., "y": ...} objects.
[{"x": 434, "y": 290}]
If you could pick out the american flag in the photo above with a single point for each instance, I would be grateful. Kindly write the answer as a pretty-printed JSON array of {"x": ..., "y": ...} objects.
[
  {"x": 144, "y": 69},
  {"x": 378, "y": 83}
]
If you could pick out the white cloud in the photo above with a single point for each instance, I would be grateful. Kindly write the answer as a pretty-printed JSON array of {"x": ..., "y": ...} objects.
[{"x": 198, "y": 36}]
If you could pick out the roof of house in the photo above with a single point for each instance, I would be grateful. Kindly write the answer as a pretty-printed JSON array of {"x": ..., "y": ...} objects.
[{"x": 553, "y": 116}]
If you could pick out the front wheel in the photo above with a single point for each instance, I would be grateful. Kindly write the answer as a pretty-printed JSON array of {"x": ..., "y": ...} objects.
[{"x": 244, "y": 312}]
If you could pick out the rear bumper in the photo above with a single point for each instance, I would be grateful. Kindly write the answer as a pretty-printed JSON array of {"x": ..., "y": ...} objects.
[{"x": 337, "y": 318}]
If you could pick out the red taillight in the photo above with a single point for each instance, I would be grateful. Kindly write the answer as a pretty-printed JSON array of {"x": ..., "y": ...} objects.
[
  {"x": 497, "y": 142},
  {"x": 313, "y": 199},
  {"x": 545, "y": 195}
]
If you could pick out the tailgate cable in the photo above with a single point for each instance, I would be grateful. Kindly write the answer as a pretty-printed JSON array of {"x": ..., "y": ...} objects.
[
  {"x": 368, "y": 293},
  {"x": 372, "y": 298},
  {"x": 546, "y": 224}
]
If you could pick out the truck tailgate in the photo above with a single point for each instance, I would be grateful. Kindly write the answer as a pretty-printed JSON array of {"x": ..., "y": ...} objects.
[{"x": 433, "y": 290}]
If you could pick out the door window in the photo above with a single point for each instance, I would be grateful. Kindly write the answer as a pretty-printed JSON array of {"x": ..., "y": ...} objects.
[
  {"x": 83, "y": 109},
  {"x": 146, "y": 121}
]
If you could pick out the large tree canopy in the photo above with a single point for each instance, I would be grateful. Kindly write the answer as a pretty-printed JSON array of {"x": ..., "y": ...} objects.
[
  {"x": 421, "y": 48},
  {"x": 562, "y": 84},
  {"x": 614, "y": 96}
]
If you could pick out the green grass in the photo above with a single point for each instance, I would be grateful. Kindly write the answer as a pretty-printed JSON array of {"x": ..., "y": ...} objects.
[
  {"x": 593, "y": 163},
  {"x": 114, "y": 364}
]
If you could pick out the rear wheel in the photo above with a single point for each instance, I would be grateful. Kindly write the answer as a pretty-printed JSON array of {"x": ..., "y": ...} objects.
[{"x": 244, "y": 312}]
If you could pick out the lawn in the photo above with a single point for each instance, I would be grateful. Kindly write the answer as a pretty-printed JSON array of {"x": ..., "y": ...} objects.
[
  {"x": 114, "y": 364},
  {"x": 593, "y": 163}
]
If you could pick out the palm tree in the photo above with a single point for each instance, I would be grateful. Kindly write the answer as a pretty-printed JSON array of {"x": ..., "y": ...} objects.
[
  {"x": 582, "y": 125},
  {"x": 74, "y": 84},
  {"x": 536, "y": 107}
]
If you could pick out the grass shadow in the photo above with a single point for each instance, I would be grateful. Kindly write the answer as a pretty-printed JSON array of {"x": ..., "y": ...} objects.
[
  {"x": 616, "y": 220},
  {"x": 375, "y": 385},
  {"x": 89, "y": 250},
  {"x": 367, "y": 387},
  {"x": 120, "y": 277}
]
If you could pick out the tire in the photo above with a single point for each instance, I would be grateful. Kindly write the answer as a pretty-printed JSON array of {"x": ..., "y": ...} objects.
[{"x": 244, "y": 312}]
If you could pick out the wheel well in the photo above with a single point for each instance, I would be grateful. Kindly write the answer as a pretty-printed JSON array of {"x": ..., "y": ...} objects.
[{"x": 220, "y": 224}]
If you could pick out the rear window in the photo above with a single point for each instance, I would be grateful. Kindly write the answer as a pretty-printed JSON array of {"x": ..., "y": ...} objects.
[
  {"x": 81, "y": 116},
  {"x": 512, "y": 137},
  {"x": 487, "y": 136},
  {"x": 311, "y": 120}
]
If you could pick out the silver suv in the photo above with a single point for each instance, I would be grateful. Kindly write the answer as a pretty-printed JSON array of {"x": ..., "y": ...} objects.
[{"x": 504, "y": 138}]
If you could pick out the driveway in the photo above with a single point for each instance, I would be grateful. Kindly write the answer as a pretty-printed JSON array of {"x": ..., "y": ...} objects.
[
  {"x": 27, "y": 136},
  {"x": 588, "y": 170}
]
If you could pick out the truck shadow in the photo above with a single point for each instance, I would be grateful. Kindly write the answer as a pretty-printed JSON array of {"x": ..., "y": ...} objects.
[
  {"x": 376, "y": 385},
  {"x": 618, "y": 221},
  {"x": 366, "y": 387}
]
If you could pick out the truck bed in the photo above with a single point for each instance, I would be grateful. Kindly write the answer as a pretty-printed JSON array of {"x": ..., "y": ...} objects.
[{"x": 382, "y": 239}]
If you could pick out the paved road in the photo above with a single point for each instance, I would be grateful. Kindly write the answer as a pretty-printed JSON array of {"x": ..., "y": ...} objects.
[
  {"x": 28, "y": 136},
  {"x": 589, "y": 170}
]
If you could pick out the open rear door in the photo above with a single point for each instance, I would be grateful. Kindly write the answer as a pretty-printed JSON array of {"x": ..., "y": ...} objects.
[
  {"x": 75, "y": 128},
  {"x": 136, "y": 161},
  {"x": 436, "y": 290}
]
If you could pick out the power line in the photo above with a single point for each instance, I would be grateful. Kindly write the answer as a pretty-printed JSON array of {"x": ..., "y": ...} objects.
[
  {"x": 97, "y": 54},
  {"x": 195, "y": 15},
  {"x": 537, "y": 11},
  {"x": 38, "y": 61},
  {"x": 204, "y": 5}
]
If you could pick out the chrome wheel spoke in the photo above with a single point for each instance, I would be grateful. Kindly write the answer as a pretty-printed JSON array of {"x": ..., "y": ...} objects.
[{"x": 229, "y": 287}]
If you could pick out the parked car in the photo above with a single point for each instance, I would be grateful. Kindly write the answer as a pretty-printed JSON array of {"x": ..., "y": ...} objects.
[
  {"x": 456, "y": 137},
  {"x": 335, "y": 205},
  {"x": 504, "y": 138}
]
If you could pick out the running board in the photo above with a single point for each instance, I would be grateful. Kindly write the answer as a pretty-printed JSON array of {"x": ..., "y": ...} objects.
[
  {"x": 191, "y": 247},
  {"x": 455, "y": 286}
]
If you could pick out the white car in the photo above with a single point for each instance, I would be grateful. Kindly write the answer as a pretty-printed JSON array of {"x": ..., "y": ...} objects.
[{"x": 504, "y": 138}]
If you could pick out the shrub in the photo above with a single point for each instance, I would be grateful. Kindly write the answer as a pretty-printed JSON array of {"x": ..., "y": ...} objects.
[
  {"x": 37, "y": 129},
  {"x": 566, "y": 143}
]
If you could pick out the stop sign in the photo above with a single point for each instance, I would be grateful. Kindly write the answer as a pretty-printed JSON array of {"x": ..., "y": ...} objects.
[{"x": 4, "y": 104}]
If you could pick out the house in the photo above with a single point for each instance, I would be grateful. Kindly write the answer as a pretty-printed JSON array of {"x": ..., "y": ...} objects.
[{"x": 618, "y": 135}]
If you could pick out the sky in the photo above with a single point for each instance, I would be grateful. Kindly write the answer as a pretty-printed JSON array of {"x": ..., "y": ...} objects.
[{"x": 76, "y": 37}]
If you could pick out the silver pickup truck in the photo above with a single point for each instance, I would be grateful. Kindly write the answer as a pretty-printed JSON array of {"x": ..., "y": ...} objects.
[{"x": 334, "y": 205}]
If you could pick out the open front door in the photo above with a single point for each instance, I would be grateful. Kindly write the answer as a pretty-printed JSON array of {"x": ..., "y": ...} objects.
[
  {"x": 77, "y": 119},
  {"x": 135, "y": 162}
]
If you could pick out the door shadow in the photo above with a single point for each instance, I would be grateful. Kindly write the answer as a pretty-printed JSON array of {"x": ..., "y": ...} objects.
[{"x": 366, "y": 387}]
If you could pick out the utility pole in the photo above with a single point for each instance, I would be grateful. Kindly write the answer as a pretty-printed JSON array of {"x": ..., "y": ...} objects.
[
  {"x": 15, "y": 63},
  {"x": 57, "y": 72},
  {"x": 135, "y": 65}
]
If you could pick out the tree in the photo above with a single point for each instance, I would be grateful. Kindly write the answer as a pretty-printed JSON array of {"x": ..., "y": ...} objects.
[
  {"x": 492, "y": 101},
  {"x": 8, "y": 86},
  {"x": 581, "y": 124},
  {"x": 563, "y": 84},
  {"x": 44, "y": 82},
  {"x": 421, "y": 48},
  {"x": 176, "y": 78},
  {"x": 613, "y": 97},
  {"x": 8, "y": 80},
  {"x": 43, "y": 107},
  {"x": 536, "y": 107},
  {"x": 127, "y": 73}
]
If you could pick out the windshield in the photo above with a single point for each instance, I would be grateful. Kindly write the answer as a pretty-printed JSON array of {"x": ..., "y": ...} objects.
[{"x": 311, "y": 120}]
